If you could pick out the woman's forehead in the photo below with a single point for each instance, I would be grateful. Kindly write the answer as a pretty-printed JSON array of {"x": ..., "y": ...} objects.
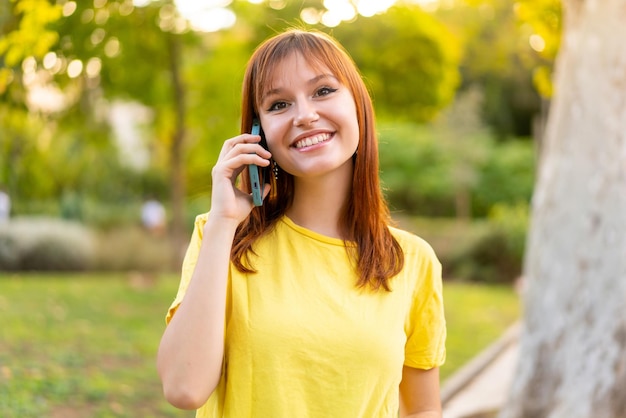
[{"x": 286, "y": 66}]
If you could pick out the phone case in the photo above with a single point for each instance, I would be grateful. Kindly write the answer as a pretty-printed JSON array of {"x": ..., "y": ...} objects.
[{"x": 253, "y": 170}]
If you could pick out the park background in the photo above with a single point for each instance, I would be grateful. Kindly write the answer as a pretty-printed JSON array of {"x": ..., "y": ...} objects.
[{"x": 106, "y": 104}]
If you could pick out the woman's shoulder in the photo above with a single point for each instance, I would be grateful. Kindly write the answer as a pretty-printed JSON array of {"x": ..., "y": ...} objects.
[
  {"x": 200, "y": 221},
  {"x": 201, "y": 218},
  {"x": 422, "y": 268},
  {"x": 411, "y": 243}
]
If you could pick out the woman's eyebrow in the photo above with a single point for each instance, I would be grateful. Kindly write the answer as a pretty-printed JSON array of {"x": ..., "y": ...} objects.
[
  {"x": 314, "y": 80},
  {"x": 320, "y": 77}
]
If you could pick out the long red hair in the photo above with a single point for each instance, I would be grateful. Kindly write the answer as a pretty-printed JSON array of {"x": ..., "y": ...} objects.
[{"x": 366, "y": 218}]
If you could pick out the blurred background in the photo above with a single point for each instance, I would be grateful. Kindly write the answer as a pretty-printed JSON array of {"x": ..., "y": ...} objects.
[{"x": 112, "y": 113}]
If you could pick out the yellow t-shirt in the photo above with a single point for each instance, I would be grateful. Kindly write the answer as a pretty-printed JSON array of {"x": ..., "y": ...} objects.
[{"x": 303, "y": 341}]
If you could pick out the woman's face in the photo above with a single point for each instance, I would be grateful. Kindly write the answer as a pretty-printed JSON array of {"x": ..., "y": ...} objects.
[{"x": 309, "y": 119}]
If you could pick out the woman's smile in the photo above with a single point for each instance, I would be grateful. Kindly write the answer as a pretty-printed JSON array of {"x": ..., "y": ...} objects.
[{"x": 306, "y": 143}]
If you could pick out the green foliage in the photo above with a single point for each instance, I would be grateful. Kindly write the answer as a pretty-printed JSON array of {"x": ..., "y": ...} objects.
[
  {"x": 462, "y": 138},
  {"x": 483, "y": 256},
  {"x": 45, "y": 244},
  {"x": 431, "y": 169},
  {"x": 544, "y": 17},
  {"x": 135, "y": 66},
  {"x": 212, "y": 118},
  {"x": 507, "y": 176},
  {"x": 412, "y": 83},
  {"x": 67, "y": 158},
  {"x": 414, "y": 170},
  {"x": 70, "y": 151},
  {"x": 25, "y": 30},
  {"x": 499, "y": 60},
  {"x": 513, "y": 222},
  {"x": 18, "y": 130},
  {"x": 427, "y": 169},
  {"x": 494, "y": 251},
  {"x": 29, "y": 35},
  {"x": 61, "y": 169}
]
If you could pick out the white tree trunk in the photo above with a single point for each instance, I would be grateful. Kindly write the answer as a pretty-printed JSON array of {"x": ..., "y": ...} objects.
[{"x": 573, "y": 345}]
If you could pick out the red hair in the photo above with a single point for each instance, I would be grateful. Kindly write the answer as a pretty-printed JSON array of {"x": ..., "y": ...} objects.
[{"x": 366, "y": 218}]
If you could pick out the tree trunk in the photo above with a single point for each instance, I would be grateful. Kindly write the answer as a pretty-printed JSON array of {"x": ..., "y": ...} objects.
[
  {"x": 176, "y": 154},
  {"x": 572, "y": 349},
  {"x": 463, "y": 204}
]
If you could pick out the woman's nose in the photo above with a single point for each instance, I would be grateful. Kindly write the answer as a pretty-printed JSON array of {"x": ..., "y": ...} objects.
[{"x": 305, "y": 114}]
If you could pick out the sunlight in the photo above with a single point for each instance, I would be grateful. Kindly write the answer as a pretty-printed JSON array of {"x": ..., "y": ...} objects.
[
  {"x": 69, "y": 8},
  {"x": 368, "y": 8},
  {"x": 74, "y": 68},
  {"x": 207, "y": 15},
  {"x": 93, "y": 67},
  {"x": 214, "y": 15},
  {"x": 311, "y": 15},
  {"x": 430, "y": 5},
  {"x": 537, "y": 43},
  {"x": 343, "y": 10}
]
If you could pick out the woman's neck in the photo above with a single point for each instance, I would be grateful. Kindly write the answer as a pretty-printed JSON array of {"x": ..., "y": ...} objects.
[{"x": 319, "y": 203}]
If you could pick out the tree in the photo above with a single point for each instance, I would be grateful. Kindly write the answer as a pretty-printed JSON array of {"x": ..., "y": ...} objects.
[
  {"x": 114, "y": 61},
  {"x": 190, "y": 81},
  {"x": 572, "y": 361},
  {"x": 461, "y": 134},
  {"x": 24, "y": 34},
  {"x": 542, "y": 19},
  {"x": 408, "y": 59},
  {"x": 498, "y": 58}
]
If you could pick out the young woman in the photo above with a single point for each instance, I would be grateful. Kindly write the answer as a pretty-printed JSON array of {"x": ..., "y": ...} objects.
[{"x": 310, "y": 305}]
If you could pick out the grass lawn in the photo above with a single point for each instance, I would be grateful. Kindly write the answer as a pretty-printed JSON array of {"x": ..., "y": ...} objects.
[
  {"x": 476, "y": 316},
  {"x": 84, "y": 345}
]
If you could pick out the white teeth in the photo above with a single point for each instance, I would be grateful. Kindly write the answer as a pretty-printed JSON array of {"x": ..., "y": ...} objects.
[{"x": 316, "y": 139}]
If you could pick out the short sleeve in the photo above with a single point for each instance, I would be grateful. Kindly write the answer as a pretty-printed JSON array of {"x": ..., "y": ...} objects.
[
  {"x": 189, "y": 264},
  {"x": 425, "y": 326}
]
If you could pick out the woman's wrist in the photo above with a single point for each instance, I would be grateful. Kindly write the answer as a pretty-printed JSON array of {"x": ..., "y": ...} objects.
[{"x": 220, "y": 224}]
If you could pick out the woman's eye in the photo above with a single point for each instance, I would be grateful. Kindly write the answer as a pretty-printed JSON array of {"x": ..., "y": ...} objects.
[
  {"x": 324, "y": 91},
  {"x": 277, "y": 106}
]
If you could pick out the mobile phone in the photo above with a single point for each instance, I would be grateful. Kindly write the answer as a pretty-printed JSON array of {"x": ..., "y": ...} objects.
[{"x": 256, "y": 175}]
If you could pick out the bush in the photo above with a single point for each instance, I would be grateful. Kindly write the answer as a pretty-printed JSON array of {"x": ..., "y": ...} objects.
[
  {"x": 488, "y": 250},
  {"x": 513, "y": 222},
  {"x": 496, "y": 252},
  {"x": 415, "y": 170},
  {"x": 424, "y": 171},
  {"x": 50, "y": 244},
  {"x": 483, "y": 256},
  {"x": 132, "y": 248},
  {"x": 9, "y": 255},
  {"x": 45, "y": 244},
  {"x": 507, "y": 176}
]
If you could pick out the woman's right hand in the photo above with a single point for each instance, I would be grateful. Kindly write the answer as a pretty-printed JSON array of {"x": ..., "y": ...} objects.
[{"x": 228, "y": 202}]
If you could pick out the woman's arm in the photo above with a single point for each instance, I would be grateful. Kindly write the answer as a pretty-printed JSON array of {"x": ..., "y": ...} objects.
[
  {"x": 419, "y": 393},
  {"x": 191, "y": 352},
  {"x": 190, "y": 355}
]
